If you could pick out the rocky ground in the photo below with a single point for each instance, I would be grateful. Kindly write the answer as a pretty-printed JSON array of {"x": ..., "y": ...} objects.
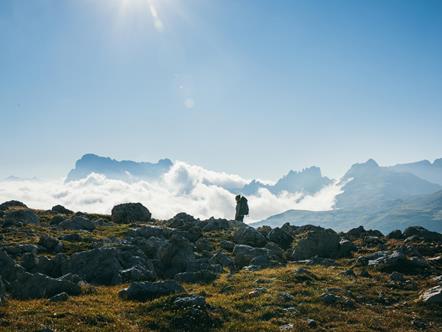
[{"x": 66, "y": 271}]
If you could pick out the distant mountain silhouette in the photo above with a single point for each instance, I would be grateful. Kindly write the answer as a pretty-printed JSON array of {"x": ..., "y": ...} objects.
[
  {"x": 308, "y": 181},
  {"x": 369, "y": 185},
  {"x": 423, "y": 210},
  {"x": 424, "y": 169},
  {"x": 120, "y": 170}
]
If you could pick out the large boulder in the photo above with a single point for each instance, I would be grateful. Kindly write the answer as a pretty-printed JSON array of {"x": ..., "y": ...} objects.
[
  {"x": 175, "y": 255},
  {"x": 360, "y": 233},
  {"x": 249, "y": 236},
  {"x": 12, "y": 204},
  {"x": 399, "y": 262},
  {"x": 50, "y": 244},
  {"x": 130, "y": 213},
  {"x": 422, "y": 233},
  {"x": 316, "y": 242},
  {"x": 24, "y": 216},
  {"x": 77, "y": 222},
  {"x": 142, "y": 291},
  {"x": 244, "y": 255},
  {"x": 97, "y": 266},
  {"x": 280, "y": 237},
  {"x": 9, "y": 270},
  {"x": 35, "y": 286},
  {"x": 61, "y": 209}
]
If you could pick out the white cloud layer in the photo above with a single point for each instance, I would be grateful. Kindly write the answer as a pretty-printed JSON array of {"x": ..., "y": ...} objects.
[{"x": 185, "y": 188}]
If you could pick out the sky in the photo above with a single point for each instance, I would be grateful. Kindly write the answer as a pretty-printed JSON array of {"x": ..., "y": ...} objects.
[{"x": 253, "y": 88}]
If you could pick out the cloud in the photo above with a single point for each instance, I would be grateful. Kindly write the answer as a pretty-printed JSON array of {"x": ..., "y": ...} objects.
[{"x": 189, "y": 188}]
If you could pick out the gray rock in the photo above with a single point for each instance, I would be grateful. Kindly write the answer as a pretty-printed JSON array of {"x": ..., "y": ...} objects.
[
  {"x": 50, "y": 244},
  {"x": 432, "y": 295},
  {"x": 61, "y": 297},
  {"x": 77, "y": 222},
  {"x": 203, "y": 244},
  {"x": 329, "y": 298},
  {"x": 222, "y": 259},
  {"x": 396, "y": 234},
  {"x": 346, "y": 248},
  {"x": 137, "y": 273},
  {"x": 97, "y": 266},
  {"x": 216, "y": 225},
  {"x": 75, "y": 237},
  {"x": 227, "y": 245},
  {"x": 175, "y": 255},
  {"x": 280, "y": 237},
  {"x": 243, "y": 254},
  {"x": 12, "y": 204},
  {"x": 61, "y": 209},
  {"x": 142, "y": 291},
  {"x": 35, "y": 286},
  {"x": 249, "y": 236},
  {"x": 422, "y": 233},
  {"x": 130, "y": 213},
  {"x": 312, "y": 323},
  {"x": 318, "y": 242},
  {"x": 147, "y": 232},
  {"x": 24, "y": 216},
  {"x": 190, "y": 301}
]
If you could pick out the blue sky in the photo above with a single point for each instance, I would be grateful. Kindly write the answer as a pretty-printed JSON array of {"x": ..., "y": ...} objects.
[{"x": 249, "y": 87}]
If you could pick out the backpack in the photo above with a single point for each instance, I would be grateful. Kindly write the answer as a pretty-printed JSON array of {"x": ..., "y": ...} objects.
[{"x": 244, "y": 209}]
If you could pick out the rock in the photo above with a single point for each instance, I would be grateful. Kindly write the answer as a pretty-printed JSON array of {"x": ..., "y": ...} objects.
[
  {"x": 249, "y": 236},
  {"x": 99, "y": 266},
  {"x": 258, "y": 291},
  {"x": 142, "y": 291},
  {"x": 204, "y": 244},
  {"x": 348, "y": 273},
  {"x": 12, "y": 204},
  {"x": 285, "y": 297},
  {"x": 137, "y": 273},
  {"x": 304, "y": 275},
  {"x": 182, "y": 219},
  {"x": 312, "y": 323},
  {"x": 287, "y": 327},
  {"x": 24, "y": 216},
  {"x": 77, "y": 223},
  {"x": 360, "y": 233},
  {"x": 221, "y": 259},
  {"x": 320, "y": 261},
  {"x": 175, "y": 255},
  {"x": 396, "y": 234},
  {"x": 329, "y": 298},
  {"x": 280, "y": 237},
  {"x": 216, "y": 225},
  {"x": 75, "y": 237},
  {"x": 130, "y": 213},
  {"x": 50, "y": 244},
  {"x": 202, "y": 277},
  {"x": 9, "y": 270},
  {"x": 57, "y": 219},
  {"x": 35, "y": 286},
  {"x": 61, "y": 297},
  {"x": 319, "y": 242},
  {"x": 147, "y": 232},
  {"x": 346, "y": 248},
  {"x": 397, "y": 277},
  {"x": 190, "y": 301},
  {"x": 61, "y": 209},
  {"x": 432, "y": 295},
  {"x": 243, "y": 254},
  {"x": 227, "y": 245},
  {"x": 422, "y": 233},
  {"x": 397, "y": 261}
]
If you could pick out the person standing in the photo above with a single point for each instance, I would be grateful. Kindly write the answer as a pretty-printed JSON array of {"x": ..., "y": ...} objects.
[{"x": 242, "y": 208}]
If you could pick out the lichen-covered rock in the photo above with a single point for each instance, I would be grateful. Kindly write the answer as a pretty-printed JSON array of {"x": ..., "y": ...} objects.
[
  {"x": 24, "y": 216},
  {"x": 249, "y": 236},
  {"x": 61, "y": 209},
  {"x": 317, "y": 242},
  {"x": 280, "y": 237},
  {"x": 77, "y": 222},
  {"x": 130, "y": 213}
]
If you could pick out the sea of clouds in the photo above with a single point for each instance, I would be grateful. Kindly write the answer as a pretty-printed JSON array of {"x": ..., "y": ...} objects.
[{"x": 185, "y": 188}]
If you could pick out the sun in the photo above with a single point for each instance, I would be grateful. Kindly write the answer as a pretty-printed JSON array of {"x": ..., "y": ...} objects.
[{"x": 149, "y": 6}]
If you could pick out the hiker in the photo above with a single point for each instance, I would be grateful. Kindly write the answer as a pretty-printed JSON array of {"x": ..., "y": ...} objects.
[{"x": 242, "y": 208}]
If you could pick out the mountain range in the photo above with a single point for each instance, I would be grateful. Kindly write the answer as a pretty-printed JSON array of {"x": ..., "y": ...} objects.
[{"x": 384, "y": 198}]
